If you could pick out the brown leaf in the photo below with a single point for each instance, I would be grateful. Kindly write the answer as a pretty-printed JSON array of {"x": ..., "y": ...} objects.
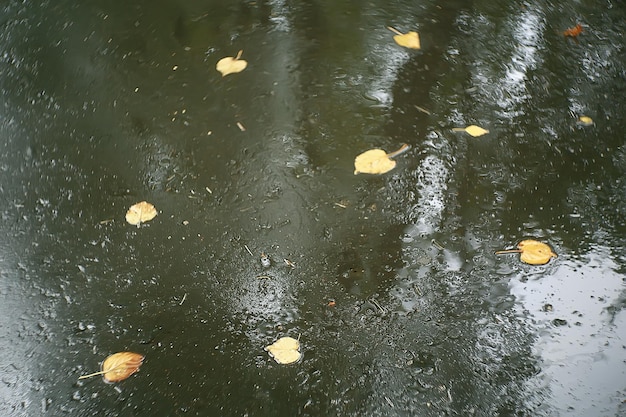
[
  {"x": 118, "y": 366},
  {"x": 121, "y": 365},
  {"x": 573, "y": 32}
]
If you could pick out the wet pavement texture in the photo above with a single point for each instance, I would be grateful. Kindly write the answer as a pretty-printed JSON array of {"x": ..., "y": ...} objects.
[{"x": 390, "y": 282}]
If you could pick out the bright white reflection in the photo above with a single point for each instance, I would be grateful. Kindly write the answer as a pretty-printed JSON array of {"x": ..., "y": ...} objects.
[
  {"x": 578, "y": 343},
  {"x": 524, "y": 57},
  {"x": 504, "y": 81}
]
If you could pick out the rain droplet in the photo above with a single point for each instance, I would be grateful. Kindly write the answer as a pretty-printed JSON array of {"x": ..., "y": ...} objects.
[{"x": 265, "y": 261}]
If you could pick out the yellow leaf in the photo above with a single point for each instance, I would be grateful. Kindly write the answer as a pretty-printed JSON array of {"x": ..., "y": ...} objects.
[
  {"x": 408, "y": 40},
  {"x": 140, "y": 213},
  {"x": 585, "y": 120},
  {"x": 285, "y": 350},
  {"x": 473, "y": 130},
  {"x": 119, "y": 366},
  {"x": 532, "y": 252},
  {"x": 376, "y": 161},
  {"x": 230, "y": 65}
]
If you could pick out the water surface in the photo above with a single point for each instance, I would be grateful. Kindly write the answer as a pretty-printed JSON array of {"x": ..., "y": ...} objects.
[{"x": 106, "y": 104}]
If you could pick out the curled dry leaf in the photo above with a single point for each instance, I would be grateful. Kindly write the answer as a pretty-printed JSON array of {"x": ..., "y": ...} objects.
[
  {"x": 140, "y": 213},
  {"x": 472, "y": 130},
  {"x": 119, "y": 366},
  {"x": 377, "y": 161},
  {"x": 285, "y": 350},
  {"x": 408, "y": 40},
  {"x": 231, "y": 65},
  {"x": 532, "y": 252}
]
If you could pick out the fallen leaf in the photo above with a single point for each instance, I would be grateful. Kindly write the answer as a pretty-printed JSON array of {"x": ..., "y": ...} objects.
[
  {"x": 376, "y": 161},
  {"x": 473, "y": 130},
  {"x": 573, "y": 32},
  {"x": 285, "y": 350},
  {"x": 119, "y": 366},
  {"x": 585, "y": 120},
  {"x": 532, "y": 252},
  {"x": 231, "y": 65},
  {"x": 408, "y": 40},
  {"x": 140, "y": 213}
]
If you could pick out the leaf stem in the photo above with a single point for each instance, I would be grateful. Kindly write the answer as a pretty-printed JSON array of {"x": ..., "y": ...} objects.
[
  {"x": 94, "y": 374},
  {"x": 100, "y": 372},
  {"x": 239, "y": 54},
  {"x": 402, "y": 149},
  {"x": 501, "y": 252},
  {"x": 394, "y": 30}
]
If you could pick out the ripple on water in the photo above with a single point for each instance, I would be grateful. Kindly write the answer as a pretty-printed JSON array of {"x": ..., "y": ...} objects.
[{"x": 578, "y": 340}]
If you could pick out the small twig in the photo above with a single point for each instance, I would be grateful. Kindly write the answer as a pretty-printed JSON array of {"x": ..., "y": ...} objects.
[
  {"x": 418, "y": 291},
  {"x": 373, "y": 300},
  {"x": 437, "y": 245},
  {"x": 241, "y": 127},
  {"x": 196, "y": 19},
  {"x": 423, "y": 110},
  {"x": 248, "y": 249},
  {"x": 389, "y": 402},
  {"x": 183, "y": 300}
]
